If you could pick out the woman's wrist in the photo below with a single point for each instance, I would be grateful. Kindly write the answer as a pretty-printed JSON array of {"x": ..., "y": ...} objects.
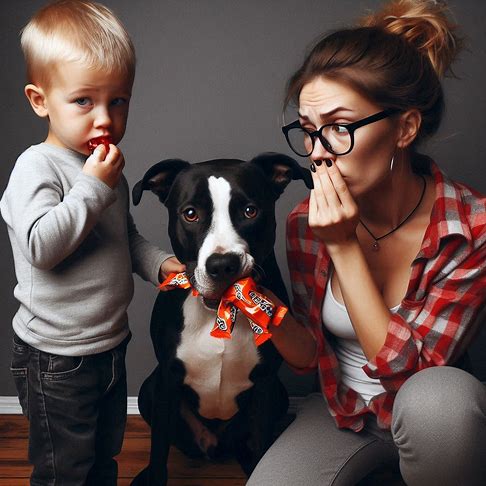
[{"x": 343, "y": 248}]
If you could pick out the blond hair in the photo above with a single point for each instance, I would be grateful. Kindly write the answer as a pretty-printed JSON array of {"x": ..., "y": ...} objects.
[
  {"x": 425, "y": 24},
  {"x": 76, "y": 31},
  {"x": 395, "y": 57}
]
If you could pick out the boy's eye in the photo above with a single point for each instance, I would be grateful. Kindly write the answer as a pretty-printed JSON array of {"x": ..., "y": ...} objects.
[
  {"x": 82, "y": 101},
  {"x": 118, "y": 102}
]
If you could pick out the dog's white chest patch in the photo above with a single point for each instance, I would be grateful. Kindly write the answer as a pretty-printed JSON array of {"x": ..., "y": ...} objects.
[{"x": 216, "y": 369}]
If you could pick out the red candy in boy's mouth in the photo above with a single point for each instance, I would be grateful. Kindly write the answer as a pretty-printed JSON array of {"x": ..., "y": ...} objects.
[{"x": 105, "y": 140}]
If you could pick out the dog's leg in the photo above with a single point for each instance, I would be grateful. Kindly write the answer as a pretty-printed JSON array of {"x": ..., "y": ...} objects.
[
  {"x": 269, "y": 403},
  {"x": 203, "y": 437},
  {"x": 145, "y": 397}
]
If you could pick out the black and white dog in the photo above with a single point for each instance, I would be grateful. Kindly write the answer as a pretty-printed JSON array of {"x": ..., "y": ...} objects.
[{"x": 208, "y": 396}]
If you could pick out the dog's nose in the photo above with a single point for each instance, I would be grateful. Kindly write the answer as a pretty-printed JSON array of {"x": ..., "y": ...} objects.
[{"x": 221, "y": 266}]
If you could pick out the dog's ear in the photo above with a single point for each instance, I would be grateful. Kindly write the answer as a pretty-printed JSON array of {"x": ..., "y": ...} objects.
[
  {"x": 281, "y": 169},
  {"x": 159, "y": 179}
]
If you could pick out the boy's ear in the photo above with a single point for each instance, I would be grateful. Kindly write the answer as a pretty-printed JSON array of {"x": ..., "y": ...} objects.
[{"x": 37, "y": 99}]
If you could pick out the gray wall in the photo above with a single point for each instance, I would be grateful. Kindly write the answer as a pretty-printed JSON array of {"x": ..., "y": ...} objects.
[{"x": 210, "y": 81}]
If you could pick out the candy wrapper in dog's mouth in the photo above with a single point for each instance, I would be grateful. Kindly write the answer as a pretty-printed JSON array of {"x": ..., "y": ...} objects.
[
  {"x": 94, "y": 142},
  {"x": 240, "y": 296}
]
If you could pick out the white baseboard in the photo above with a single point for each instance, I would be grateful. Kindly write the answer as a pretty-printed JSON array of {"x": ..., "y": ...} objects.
[
  {"x": 132, "y": 406},
  {"x": 11, "y": 405}
]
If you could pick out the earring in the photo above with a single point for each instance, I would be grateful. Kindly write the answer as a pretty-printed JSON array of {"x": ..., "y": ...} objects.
[{"x": 391, "y": 163}]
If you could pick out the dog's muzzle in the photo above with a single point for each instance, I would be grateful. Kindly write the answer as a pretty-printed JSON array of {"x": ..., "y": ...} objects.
[
  {"x": 223, "y": 267},
  {"x": 219, "y": 271}
]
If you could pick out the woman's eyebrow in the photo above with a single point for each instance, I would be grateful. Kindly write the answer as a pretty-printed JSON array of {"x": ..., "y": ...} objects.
[{"x": 329, "y": 113}]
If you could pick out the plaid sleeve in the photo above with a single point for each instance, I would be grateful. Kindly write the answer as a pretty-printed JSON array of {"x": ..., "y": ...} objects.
[
  {"x": 433, "y": 329},
  {"x": 301, "y": 275}
]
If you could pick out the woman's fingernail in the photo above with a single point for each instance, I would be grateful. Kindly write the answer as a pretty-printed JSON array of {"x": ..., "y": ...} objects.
[
  {"x": 312, "y": 167},
  {"x": 318, "y": 162},
  {"x": 329, "y": 162}
]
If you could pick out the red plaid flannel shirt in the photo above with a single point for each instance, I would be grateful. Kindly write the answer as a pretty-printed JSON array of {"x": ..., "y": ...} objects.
[{"x": 436, "y": 319}]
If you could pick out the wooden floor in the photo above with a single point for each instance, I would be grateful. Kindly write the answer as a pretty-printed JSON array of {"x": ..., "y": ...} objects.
[{"x": 15, "y": 470}]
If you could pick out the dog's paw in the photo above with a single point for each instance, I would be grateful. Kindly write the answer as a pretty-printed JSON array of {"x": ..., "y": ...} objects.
[
  {"x": 206, "y": 441},
  {"x": 143, "y": 478}
]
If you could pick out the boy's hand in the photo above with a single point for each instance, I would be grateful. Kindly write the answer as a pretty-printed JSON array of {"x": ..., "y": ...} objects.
[
  {"x": 171, "y": 265},
  {"x": 106, "y": 167}
]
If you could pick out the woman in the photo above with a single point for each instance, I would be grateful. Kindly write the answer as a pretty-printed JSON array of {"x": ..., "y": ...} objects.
[{"x": 387, "y": 259}]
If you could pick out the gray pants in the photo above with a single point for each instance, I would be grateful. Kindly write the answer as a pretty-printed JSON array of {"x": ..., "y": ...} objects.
[{"x": 438, "y": 436}]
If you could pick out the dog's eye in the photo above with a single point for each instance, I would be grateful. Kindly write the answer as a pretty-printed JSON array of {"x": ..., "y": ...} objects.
[
  {"x": 250, "y": 211},
  {"x": 190, "y": 215}
]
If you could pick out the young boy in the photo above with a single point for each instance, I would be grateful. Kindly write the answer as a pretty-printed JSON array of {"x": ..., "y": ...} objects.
[{"x": 75, "y": 245}]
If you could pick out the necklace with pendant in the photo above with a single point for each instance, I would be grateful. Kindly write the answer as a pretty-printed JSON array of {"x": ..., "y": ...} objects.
[{"x": 376, "y": 246}]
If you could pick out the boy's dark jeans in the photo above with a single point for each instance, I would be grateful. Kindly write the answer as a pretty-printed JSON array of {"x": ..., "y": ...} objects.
[{"x": 76, "y": 408}]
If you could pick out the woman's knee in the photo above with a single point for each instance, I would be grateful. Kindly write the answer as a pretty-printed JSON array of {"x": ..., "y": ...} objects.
[
  {"x": 440, "y": 394},
  {"x": 439, "y": 425}
]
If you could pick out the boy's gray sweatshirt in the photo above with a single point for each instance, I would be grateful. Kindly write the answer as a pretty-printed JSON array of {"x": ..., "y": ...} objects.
[{"x": 75, "y": 246}]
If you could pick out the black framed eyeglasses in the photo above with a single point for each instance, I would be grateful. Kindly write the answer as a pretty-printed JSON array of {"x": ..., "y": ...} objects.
[{"x": 336, "y": 138}]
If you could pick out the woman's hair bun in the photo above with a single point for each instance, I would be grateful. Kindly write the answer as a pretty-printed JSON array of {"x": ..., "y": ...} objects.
[{"x": 425, "y": 24}]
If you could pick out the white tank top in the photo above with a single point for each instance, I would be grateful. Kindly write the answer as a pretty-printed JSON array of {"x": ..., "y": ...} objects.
[{"x": 348, "y": 351}]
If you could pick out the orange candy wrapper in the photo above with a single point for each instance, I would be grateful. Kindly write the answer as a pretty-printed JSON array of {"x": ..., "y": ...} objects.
[
  {"x": 177, "y": 280},
  {"x": 241, "y": 296}
]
